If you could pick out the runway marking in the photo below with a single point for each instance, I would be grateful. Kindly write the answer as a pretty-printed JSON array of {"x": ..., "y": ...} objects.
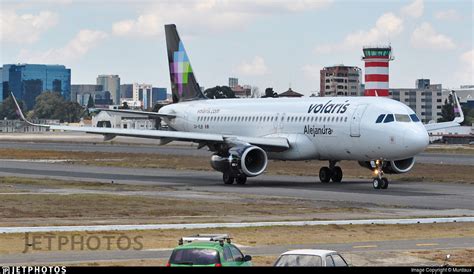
[
  {"x": 428, "y": 244},
  {"x": 158, "y": 249},
  {"x": 231, "y": 225},
  {"x": 364, "y": 246}
]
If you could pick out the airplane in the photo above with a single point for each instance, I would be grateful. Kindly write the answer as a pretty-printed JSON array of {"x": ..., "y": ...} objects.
[{"x": 382, "y": 134}]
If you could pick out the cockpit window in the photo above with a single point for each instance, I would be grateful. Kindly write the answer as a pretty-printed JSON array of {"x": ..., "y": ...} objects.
[
  {"x": 389, "y": 118},
  {"x": 414, "y": 118},
  {"x": 402, "y": 118},
  {"x": 380, "y": 118}
]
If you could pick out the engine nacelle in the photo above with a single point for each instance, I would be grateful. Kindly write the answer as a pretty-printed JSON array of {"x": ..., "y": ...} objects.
[
  {"x": 399, "y": 166},
  {"x": 249, "y": 160},
  {"x": 392, "y": 167}
]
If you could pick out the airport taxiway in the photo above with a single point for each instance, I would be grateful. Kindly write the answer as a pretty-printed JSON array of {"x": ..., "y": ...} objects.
[
  {"x": 190, "y": 150},
  {"x": 453, "y": 199}
]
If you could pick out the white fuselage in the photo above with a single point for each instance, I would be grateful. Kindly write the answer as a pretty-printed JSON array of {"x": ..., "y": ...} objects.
[{"x": 325, "y": 128}]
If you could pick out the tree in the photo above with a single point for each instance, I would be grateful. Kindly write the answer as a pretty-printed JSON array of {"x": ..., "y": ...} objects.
[
  {"x": 73, "y": 112},
  {"x": 51, "y": 105},
  {"x": 447, "y": 110},
  {"x": 8, "y": 109},
  {"x": 468, "y": 116},
  {"x": 90, "y": 102},
  {"x": 124, "y": 106},
  {"x": 269, "y": 93},
  {"x": 255, "y": 92},
  {"x": 219, "y": 92}
]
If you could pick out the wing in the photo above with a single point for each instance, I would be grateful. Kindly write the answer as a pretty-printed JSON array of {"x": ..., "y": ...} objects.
[
  {"x": 139, "y": 112},
  {"x": 267, "y": 143},
  {"x": 454, "y": 123}
]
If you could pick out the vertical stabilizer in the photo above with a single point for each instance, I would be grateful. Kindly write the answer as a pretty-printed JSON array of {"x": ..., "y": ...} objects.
[{"x": 184, "y": 86}]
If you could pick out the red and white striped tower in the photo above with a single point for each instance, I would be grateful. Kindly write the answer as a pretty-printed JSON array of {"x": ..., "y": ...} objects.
[{"x": 376, "y": 70}]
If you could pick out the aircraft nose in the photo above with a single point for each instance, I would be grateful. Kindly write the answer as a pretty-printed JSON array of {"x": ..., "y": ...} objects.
[{"x": 416, "y": 139}]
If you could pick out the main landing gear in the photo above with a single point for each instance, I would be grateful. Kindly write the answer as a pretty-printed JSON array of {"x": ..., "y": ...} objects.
[
  {"x": 379, "y": 181},
  {"x": 229, "y": 179},
  {"x": 332, "y": 172}
]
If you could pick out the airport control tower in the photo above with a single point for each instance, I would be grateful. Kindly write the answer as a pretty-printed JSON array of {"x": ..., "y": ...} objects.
[{"x": 376, "y": 70}]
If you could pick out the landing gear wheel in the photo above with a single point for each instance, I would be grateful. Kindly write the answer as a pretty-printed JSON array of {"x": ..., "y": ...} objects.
[
  {"x": 227, "y": 178},
  {"x": 241, "y": 180},
  {"x": 337, "y": 174},
  {"x": 384, "y": 184},
  {"x": 324, "y": 174},
  {"x": 377, "y": 183}
]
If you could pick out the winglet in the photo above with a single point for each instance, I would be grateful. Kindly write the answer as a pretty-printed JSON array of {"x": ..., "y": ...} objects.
[
  {"x": 457, "y": 109},
  {"x": 22, "y": 116}
]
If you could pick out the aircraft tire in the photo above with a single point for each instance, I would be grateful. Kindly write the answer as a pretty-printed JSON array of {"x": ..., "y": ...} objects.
[
  {"x": 384, "y": 184},
  {"x": 227, "y": 178},
  {"x": 376, "y": 183},
  {"x": 325, "y": 174},
  {"x": 241, "y": 180},
  {"x": 337, "y": 174}
]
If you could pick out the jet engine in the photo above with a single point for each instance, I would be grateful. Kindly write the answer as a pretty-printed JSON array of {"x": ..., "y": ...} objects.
[
  {"x": 392, "y": 167},
  {"x": 249, "y": 160}
]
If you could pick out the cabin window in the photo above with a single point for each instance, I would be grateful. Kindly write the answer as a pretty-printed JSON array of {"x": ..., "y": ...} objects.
[
  {"x": 402, "y": 118},
  {"x": 380, "y": 118},
  {"x": 414, "y": 118},
  {"x": 389, "y": 118}
]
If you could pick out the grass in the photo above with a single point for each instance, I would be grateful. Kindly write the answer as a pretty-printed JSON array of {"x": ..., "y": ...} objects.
[
  {"x": 462, "y": 257},
  {"x": 49, "y": 202},
  {"x": 258, "y": 236},
  {"x": 420, "y": 172},
  {"x": 464, "y": 149},
  {"x": 16, "y": 184},
  {"x": 256, "y": 261}
]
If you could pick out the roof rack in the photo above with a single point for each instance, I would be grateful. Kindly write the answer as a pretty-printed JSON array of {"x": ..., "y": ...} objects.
[{"x": 206, "y": 238}]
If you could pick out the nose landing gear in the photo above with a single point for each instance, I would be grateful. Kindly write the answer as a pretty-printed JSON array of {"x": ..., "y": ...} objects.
[{"x": 379, "y": 181}]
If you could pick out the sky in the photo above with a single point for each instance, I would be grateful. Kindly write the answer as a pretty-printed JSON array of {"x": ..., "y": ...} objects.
[{"x": 264, "y": 43}]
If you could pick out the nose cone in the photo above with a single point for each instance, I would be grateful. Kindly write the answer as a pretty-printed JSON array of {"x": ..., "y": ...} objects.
[{"x": 416, "y": 139}]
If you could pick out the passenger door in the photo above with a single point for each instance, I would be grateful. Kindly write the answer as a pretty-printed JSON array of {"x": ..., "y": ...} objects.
[{"x": 356, "y": 118}]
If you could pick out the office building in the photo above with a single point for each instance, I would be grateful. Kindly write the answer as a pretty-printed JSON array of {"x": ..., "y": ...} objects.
[
  {"x": 81, "y": 93},
  {"x": 233, "y": 82},
  {"x": 143, "y": 93},
  {"x": 159, "y": 94},
  {"x": 126, "y": 91},
  {"x": 465, "y": 94},
  {"x": 27, "y": 81},
  {"x": 110, "y": 83},
  {"x": 340, "y": 80},
  {"x": 425, "y": 99}
]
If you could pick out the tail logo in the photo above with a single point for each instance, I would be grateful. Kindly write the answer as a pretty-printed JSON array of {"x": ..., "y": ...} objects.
[{"x": 180, "y": 68}]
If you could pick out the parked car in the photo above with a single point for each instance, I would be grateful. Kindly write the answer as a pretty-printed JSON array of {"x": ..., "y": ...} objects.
[
  {"x": 310, "y": 257},
  {"x": 208, "y": 250}
]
